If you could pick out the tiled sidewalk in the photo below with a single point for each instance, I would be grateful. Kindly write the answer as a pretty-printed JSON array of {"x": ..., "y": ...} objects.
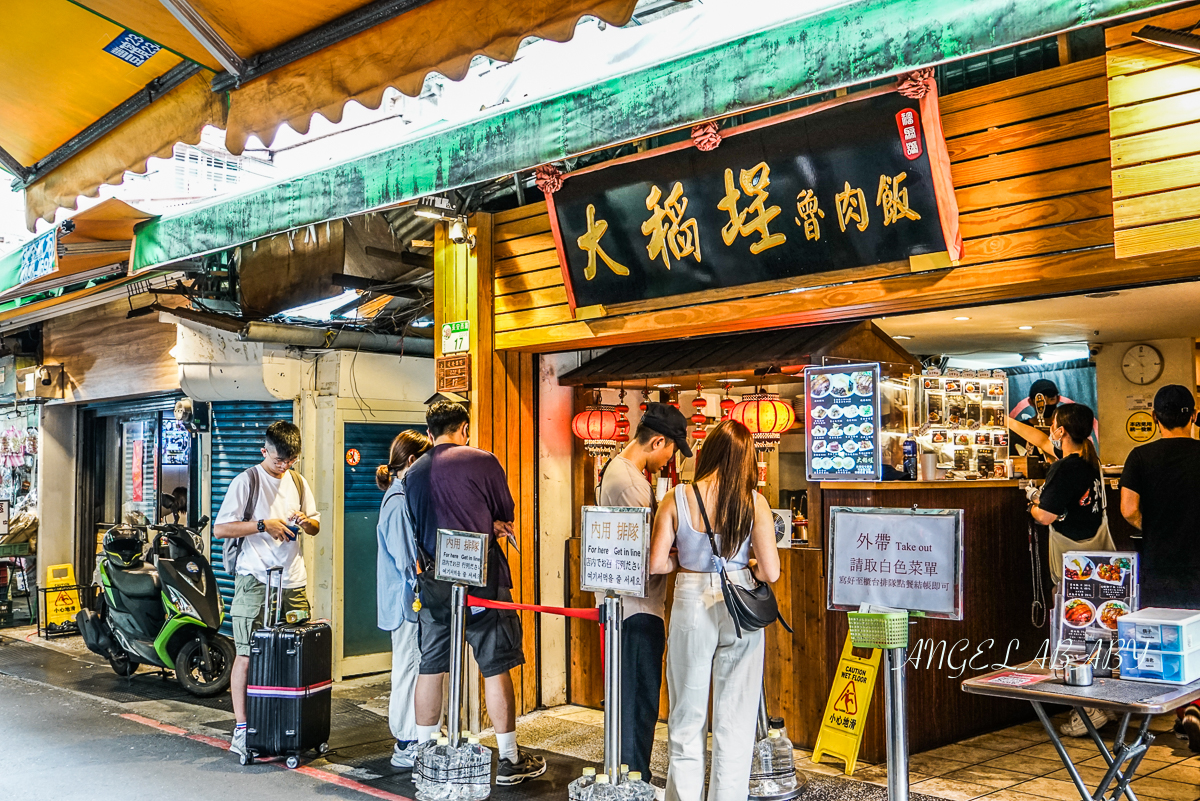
[{"x": 1015, "y": 764}]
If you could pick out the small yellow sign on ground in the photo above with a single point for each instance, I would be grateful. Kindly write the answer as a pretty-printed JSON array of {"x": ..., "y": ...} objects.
[
  {"x": 61, "y": 604},
  {"x": 846, "y": 713}
]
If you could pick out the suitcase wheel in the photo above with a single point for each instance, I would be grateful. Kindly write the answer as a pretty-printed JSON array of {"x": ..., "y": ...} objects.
[
  {"x": 293, "y": 762},
  {"x": 245, "y": 760},
  {"x": 322, "y": 748}
]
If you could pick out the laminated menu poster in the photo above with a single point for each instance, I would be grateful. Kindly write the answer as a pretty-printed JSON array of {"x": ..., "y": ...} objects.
[
  {"x": 1097, "y": 588},
  {"x": 841, "y": 407}
]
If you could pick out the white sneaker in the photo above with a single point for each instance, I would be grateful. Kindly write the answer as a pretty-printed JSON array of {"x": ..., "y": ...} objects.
[
  {"x": 404, "y": 757},
  {"x": 1075, "y": 727},
  {"x": 237, "y": 744}
]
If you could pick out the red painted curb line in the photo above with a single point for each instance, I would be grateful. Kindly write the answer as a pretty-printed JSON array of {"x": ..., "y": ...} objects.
[{"x": 326, "y": 776}]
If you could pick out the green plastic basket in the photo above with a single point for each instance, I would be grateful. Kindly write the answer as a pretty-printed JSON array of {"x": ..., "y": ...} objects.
[{"x": 878, "y": 630}]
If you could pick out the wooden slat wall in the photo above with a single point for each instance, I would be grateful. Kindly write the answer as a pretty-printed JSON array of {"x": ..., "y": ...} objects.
[
  {"x": 1154, "y": 114},
  {"x": 503, "y": 416},
  {"x": 1030, "y": 161}
]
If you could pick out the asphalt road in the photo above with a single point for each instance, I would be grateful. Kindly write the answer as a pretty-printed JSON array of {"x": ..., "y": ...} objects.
[{"x": 60, "y": 746}]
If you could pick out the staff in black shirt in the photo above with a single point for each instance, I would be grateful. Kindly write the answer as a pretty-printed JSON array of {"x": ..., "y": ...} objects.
[{"x": 1160, "y": 494}]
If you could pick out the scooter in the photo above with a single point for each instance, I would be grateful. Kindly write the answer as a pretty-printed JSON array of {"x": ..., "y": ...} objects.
[{"x": 168, "y": 615}]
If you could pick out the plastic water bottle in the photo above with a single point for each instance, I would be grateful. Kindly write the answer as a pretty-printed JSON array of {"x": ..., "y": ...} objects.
[
  {"x": 622, "y": 774},
  {"x": 910, "y": 458},
  {"x": 441, "y": 761},
  {"x": 475, "y": 759},
  {"x": 773, "y": 768},
  {"x": 602, "y": 790},
  {"x": 581, "y": 788},
  {"x": 421, "y": 767},
  {"x": 634, "y": 789}
]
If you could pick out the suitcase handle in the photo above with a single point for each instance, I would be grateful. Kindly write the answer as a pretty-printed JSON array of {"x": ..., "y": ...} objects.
[{"x": 268, "y": 622}]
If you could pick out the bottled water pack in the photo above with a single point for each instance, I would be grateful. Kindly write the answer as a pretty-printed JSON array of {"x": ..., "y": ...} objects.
[{"x": 773, "y": 768}]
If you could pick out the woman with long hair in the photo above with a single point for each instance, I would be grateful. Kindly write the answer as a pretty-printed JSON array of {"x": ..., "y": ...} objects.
[
  {"x": 703, "y": 648},
  {"x": 396, "y": 576}
]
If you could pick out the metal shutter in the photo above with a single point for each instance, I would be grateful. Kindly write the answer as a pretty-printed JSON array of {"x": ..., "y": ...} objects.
[{"x": 237, "y": 437}]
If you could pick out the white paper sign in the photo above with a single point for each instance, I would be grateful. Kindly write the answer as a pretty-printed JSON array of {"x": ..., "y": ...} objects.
[
  {"x": 462, "y": 557},
  {"x": 5, "y": 516},
  {"x": 456, "y": 337},
  {"x": 897, "y": 558},
  {"x": 616, "y": 550}
]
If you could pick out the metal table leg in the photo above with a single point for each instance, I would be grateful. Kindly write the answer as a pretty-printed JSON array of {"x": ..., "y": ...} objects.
[
  {"x": 1117, "y": 756},
  {"x": 1048, "y": 725}
]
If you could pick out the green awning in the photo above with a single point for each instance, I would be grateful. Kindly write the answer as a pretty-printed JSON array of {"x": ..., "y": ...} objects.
[{"x": 832, "y": 48}]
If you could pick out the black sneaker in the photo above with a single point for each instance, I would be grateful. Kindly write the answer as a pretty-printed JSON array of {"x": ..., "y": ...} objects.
[{"x": 527, "y": 766}]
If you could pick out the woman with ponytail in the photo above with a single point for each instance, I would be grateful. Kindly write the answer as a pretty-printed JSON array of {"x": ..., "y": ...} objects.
[
  {"x": 1072, "y": 504},
  {"x": 395, "y": 580}
]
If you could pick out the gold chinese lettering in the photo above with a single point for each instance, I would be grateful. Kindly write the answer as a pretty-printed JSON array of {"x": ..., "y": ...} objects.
[
  {"x": 852, "y": 206},
  {"x": 809, "y": 211},
  {"x": 755, "y": 217},
  {"x": 894, "y": 199},
  {"x": 590, "y": 242},
  {"x": 667, "y": 229}
]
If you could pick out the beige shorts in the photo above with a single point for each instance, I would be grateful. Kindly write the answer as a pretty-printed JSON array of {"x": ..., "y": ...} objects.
[{"x": 249, "y": 595}]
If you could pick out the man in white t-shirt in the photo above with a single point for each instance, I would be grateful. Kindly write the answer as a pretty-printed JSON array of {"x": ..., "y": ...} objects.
[{"x": 283, "y": 508}]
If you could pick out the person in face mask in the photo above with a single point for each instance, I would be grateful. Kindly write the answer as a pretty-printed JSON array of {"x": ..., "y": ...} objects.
[{"x": 1025, "y": 434}]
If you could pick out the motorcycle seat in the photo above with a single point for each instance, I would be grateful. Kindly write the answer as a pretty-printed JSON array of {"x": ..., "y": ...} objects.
[{"x": 140, "y": 583}]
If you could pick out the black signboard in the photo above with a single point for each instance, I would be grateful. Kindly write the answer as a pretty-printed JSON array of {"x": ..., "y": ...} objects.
[{"x": 850, "y": 186}]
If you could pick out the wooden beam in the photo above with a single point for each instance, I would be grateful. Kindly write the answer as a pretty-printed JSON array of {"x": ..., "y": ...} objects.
[
  {"x": 1032, "y": 159},
  {"x": 1155, "y": 114},
  {"x": 527, "y": 282},
  {"x": 1038, "y": 213},
  {"x": 1020, "y": 86},
  {"x": 537, "y": 298},
  {"x": 1143, "y": 56},
  {"x": 536, "y": 224},
  {"x": 1060, "y": 238},
  {"x": 1084, "y": 178},
  {"x": 1156, "y": 176},
  {"x": 1182, "y": 140},
  {"x": 519, "y": 213},
  {"x": 526, "y": 263},
  {"x": 523, "y": 245},
  {"x": 1180, "y": 235},
  {"x": 1028, "y": 134},
  {"x": 1160, "y": 207},
  {"x": 1086, "y": 92},
  {"x": 1173, "y": 80}
]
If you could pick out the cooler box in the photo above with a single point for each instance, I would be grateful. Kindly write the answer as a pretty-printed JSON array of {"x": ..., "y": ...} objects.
[{"x": 1160, "y": 645}]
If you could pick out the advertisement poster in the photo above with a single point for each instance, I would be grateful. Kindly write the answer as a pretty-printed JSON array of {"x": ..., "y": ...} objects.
[
  {"x": 1097, "y": 589},
  {"x": 841, "y": 410}
]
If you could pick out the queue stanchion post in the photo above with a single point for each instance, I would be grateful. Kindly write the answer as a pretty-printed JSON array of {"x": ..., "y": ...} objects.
[
  {"x": 458, "y": 628},
  {"x": 895, "y": 691},
  {"x": 613, "y": 608}
]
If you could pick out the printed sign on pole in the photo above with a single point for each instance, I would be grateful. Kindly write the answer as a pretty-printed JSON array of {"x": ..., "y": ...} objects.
[
  {"x": 62, "y": 598},
  {"x": 616, "y": 550},
  {"x": 461, "y": 557},
  {"x": 898, "y": 558},
  {"x": 846, "y": 711}
]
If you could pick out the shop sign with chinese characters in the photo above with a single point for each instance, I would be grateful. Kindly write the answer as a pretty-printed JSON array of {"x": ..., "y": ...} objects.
[
  {"x": 846, "y": 187},
  {"x": 904, "y": 559},
  {"x": 461, "y": 557},
  {"x": 616, "y": 550}
]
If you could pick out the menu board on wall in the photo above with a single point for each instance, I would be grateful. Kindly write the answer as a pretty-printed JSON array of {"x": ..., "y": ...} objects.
[
  {"x": 1097, "y": 588},
  {"x": 841, "y": 414}
]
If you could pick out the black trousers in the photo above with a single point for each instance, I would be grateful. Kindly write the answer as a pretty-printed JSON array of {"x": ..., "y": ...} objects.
[{"x": 643, "y": 641}]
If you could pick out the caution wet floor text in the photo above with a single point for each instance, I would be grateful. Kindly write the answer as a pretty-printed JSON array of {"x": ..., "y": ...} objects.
[{"x": 846, "y": 712}]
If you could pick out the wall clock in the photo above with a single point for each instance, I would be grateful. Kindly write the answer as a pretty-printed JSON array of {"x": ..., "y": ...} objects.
[{"x": 1142, "y": 364}]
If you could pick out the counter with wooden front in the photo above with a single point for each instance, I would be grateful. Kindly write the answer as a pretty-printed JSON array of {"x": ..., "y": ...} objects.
[{"x": 998, "y": 594}]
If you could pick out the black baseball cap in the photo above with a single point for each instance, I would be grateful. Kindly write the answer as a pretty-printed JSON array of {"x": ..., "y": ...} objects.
[
  {"x": 1174, "y": 399},
  {"x": 665, "y": 419},
  {"x": 1044, "y": 387}
]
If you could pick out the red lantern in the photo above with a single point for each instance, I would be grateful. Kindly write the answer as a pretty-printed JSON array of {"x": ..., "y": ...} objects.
[
  {"x": 597, "y": 427},
  {"x": 645, "y": 400},
  {"x": 699, "y": 419},
  {"x": 622, "y": 423},
  {"x": 767, "y": 417},
  {"x": 727, "y": 404}
]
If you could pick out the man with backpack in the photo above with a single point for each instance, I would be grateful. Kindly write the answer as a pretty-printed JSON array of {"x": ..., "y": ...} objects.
[
  {"x": 265, "y": 510},
  {"x": 455, "y": 486}
]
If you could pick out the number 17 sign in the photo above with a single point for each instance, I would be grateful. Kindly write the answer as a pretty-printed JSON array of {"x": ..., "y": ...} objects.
[{"x": 616, "y": 550}]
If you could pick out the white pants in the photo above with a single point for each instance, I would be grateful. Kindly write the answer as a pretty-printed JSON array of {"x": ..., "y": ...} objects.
[
  {"x": 406, "y": 657},
  {"x": 703, "y": 648}
]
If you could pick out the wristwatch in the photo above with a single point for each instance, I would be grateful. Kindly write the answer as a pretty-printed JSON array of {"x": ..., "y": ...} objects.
[{"x": 262, "y": 526}]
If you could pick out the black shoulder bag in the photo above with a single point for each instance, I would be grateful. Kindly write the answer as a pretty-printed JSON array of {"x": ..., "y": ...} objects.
[{"x": 751, "y": 610}]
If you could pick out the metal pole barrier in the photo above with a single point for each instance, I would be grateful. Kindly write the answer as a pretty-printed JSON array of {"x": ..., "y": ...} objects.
[
  {"x": 458, "y": 628},
  {"x": 612, "y": 686},
  {"x": 764, "y": 721},
  {"x": 897, "y": 724}
]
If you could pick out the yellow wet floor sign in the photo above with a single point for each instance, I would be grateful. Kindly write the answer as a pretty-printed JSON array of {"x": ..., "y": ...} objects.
[
  {"x": 61, "y": 604},
  {"x": 846, "y": 712}
]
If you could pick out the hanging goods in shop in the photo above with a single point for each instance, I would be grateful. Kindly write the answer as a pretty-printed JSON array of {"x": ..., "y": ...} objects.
[
  {"x": 727, "y": 404},
  {"x": 597, "y": 427},
  {"x": 698, "y": 418},
  {"x": 767, "y": 417}
]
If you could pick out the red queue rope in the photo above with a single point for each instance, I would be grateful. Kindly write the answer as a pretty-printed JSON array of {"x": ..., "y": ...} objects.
[{"x": 585, "y": 614}]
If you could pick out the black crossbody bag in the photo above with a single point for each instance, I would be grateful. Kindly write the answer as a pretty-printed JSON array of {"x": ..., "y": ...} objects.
[{"x": 751, "y": 610}]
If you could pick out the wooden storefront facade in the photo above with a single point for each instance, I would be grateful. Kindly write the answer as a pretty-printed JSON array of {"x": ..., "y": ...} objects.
[{"x": 1076, "y": 179}]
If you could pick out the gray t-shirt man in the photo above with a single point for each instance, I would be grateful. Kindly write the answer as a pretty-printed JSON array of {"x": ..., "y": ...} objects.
[{"x": 625, "y": 485}]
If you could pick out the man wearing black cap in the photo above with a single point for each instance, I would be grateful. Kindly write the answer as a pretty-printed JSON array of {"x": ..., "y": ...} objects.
[
  {"x": 661, "y": 433},
  {"x": 1160, "y": 494}
]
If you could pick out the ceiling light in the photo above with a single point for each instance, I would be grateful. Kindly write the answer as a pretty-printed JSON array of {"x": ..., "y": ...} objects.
[
  {"x": 901, "y": 336},
  {"x": 962, "y": 318},
  {"x": 1098, "y": 295},
  {"x": 1024, "y": 327},
  {"x": 732, "y": 380},
  {"x": 1167, "y": 37},
  {"x": 665, "y": 386},
  {"x": 435, "y": 207}
]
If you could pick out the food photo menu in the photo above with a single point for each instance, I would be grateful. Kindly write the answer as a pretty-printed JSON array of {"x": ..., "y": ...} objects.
[
  {"x": 1097, "y": 589},
  {"x": 841, "y": 406}
]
